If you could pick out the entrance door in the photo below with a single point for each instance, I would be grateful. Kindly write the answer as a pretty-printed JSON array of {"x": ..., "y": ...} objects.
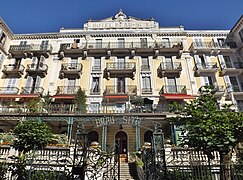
[{"x": 121, "y": 141}]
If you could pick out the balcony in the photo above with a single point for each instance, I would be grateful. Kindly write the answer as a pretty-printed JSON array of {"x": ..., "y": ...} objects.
[
  {"x": 173, "y": 89},
  {"x": 204, "y": 69},
  {"x": 67, "y": 90},
  {"x": 30, "y": 50},
  {"x": 32, "y": 90},
  {"x": 231, "y": 69},
  {"x": 95, "y": 91},
  {"x": 169, "y": 69},
  {"x": 71, "y": 70},
  {"x": 147, "y": 91},
  {"x": 126, "y": 90},
  {"x": 9, "y": 90},
  {"x": 219, "y": 90},
  {"x": 169, "y": 48},
  {"x": 13, "y": 71},
  {"x": 209, "y": 47},
  {"x": 114, "y": 70},
  {"x": 34, "y": 69},
  {"x": 145, "y": 68}
]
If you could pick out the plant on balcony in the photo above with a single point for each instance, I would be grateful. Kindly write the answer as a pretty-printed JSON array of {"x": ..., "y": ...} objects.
[
  {"x": 80, "y": 101},
  {"x": 59, "y": 140},
  {"x": 31, "y": 135},
  {"x": 6, "y": 138},
  {"x": 35, "y": 105},
  {"x": 211, "y": 127}
]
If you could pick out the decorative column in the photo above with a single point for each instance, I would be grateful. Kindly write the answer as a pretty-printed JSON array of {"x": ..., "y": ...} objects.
[
  {"x": 104, "y": 133},
  {"x": 70, "y": 128},
  {"x": 137, "y": 134}
]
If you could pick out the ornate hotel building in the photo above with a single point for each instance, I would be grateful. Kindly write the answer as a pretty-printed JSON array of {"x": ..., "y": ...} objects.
[{"x": 131, "y": 69}]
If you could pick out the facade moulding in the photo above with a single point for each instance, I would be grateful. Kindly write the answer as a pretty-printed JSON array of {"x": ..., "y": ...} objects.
[
  {"x": 237, "y": 25},
  {"x": 6, "y": 29}
]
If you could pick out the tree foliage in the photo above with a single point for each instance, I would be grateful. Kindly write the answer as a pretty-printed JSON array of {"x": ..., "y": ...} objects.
[
  {"x": 31, "y": 135},
  {"x": 80, "y": 101},
  {"x": 209, "y": 125}
]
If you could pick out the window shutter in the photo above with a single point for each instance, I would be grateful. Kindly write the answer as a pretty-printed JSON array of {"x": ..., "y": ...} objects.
[
  {"x": 42, "y": 61},
  {"x": 221, "y": 61},
  {"x": 197, "y": 61},
  {"x": 29, "y": 84},
  {"x": 34, "y": 63},
  {"x": 38, "y": 81}
]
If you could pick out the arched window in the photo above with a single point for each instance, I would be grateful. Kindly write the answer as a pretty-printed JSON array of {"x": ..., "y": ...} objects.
[
  {"x": 148, "y": 136},
  {"x": 93, "y": 136}
]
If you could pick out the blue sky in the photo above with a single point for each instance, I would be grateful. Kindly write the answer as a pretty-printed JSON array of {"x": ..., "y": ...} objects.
[{"x": 30, "y": 16}]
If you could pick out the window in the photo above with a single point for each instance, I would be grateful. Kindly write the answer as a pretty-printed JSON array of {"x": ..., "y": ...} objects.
[
  {"x": 220, "y": 42},
  {"x": 73, "y": 63},
  {"x": 2, "y": 38},
  {"x": 166, "y": 42},
  {"x": 241, "y": 34},
  {"x": 240, "y": 105},
  {"x": 145, "y": 63},
  {"x": 44, "y": 45},
  {"x": 97, "y": 64},
  {"x": 234, "y": 84},
  {"x": 209, "y": 81},
  {"x": 146, "y": 84},
  {"x": 203, "y": 61},
  {"x": 11, "y": 86},
  {"x": 33, "y": 85},
  {"x": 70, "y": 86},
  {"x": 168, "y": 63},
  {"x": 121, "y": 43},
  {"x": 121, "y": 63},
  {"x": 143, "y": 42},
  {"x": 22, "y": 45},
  {"x": 95, "y": 85},
  {"x": 198, "y": 42},
  {"x": 171, "y": 85},
  {"x": 1, "y": 58},
  {"x": 98, "y": 43},
  {"x": 121, "y": 85},
  {"x": 227, "y": 61}
]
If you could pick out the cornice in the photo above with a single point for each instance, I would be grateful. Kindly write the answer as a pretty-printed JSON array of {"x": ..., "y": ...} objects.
[
  {"x": 207, "y": 33},
  {"x": 237, "y": 25},
  {"x": 5, "y": 28}
]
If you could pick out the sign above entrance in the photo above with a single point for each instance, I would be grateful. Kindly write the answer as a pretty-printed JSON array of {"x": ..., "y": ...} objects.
[{"x": 109, "y": 120}]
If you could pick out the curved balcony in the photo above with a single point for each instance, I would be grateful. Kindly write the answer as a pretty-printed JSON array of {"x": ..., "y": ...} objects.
[
  {"x": 115, "y": 90},
  {"x": 115, "y": 69},
  {"x": 169, "y": 69},
  {"x": 69, "y": 90},
  {"x": 204, "y": 69},
  {"x": 13, "y": 71},
  {"x": 30, "y": 50},
  {"x": 32, "y": 90},
  {"x": 71, "y": 70},
  {"x": 35, "y": 69},
  {"x": 209, "y": 47}
]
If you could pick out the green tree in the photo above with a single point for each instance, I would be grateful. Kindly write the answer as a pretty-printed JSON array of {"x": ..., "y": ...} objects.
[
  {"x": 211, "y": 127},
  {"x": 80, "y": 101},
  {"x": 31, "y": 135}
]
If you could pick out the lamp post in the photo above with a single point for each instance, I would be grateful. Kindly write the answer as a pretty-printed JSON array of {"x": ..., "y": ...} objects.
[{"x": 80, "y": 160}]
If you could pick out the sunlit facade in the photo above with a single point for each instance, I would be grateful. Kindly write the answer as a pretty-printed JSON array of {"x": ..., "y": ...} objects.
[{"x": 117, "y": 61}]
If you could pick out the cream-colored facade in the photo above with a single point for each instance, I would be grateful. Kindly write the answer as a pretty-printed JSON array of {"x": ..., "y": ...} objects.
[{"x": 116, "y": 60}]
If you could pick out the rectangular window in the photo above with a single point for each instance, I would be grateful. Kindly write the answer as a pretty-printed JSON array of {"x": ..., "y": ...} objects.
[
  {"x": 166, "y": 42},
  {"x": 95, "y": 85},
  {"x": 143, "y": 42},
  {"x": 11, "y": 86},
  {"x": 121, "y": 43},
  {"x": 198, "y": 42},
  {"x": 171, "y": 85},
  {"x": 203, "y": 61},
  {"x": 227, "y": 61},
  {"x": 146, "y": 84},
  {"x": 44, "y": 45},
  {"x": 70, "y": 89},
  {"x": 234, "y": 84},
  {"x": 121, "y": 85},
  {"x": 240, "y": 105},
  {"x": 2, "y": 38},
  {"x": 220, "y": 42},
  {"x": 168, "y": 63},
  {"x": 98, "y": 43},
  {"x": 97, "y": 64},
  {"x": 145, "y": 63},
  {"x": 121, "y": 63}
]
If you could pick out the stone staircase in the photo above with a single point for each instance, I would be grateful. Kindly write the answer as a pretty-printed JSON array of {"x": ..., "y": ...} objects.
[{"x": 128, "y": 171}]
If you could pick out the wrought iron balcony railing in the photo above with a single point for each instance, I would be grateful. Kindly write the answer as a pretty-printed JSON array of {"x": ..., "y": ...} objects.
[
  {"x": 233, "y": 65},
  {"x": 95, "y": 91},
  {"x": 170, "y": 66},
  {"x": 130, "y": 89},
  {"x": 68, "y": 89},
  {"x": 120, "y": 66},
  {"x": 145, "y": 67},
  {"x": 96, "y": 68},
  {"x": 206, "y": 66},
  {"x": 9, "y": 90},
  {"x": 32, "y": 90},
  {"x": 13, "y": 68},
  {"x": 208, "y": 45},
  {"x": 122, "y": 45},
  {"x": 30, "y": 47},
  {"x": 71, "y": 67},
  {"x": 146, "y": 90},
  {"x": 173, "y": 89},
  {"x": 36, "y": 67}
]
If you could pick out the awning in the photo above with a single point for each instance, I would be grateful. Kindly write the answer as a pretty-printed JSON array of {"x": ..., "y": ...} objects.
[
  {"x": 177, "y": 96},
  {"x": 116, "y": 97},
  {"x": 63, "y": 96},
  {"x": 19, "y": 95}
]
